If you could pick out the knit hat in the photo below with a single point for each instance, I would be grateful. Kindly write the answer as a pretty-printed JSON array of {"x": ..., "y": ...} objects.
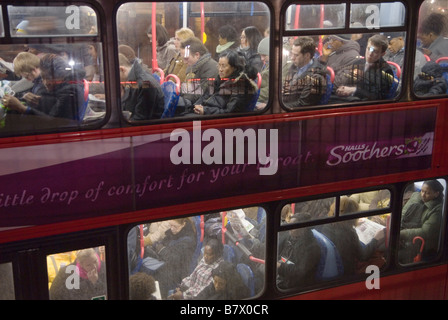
[{"x": 263, "y": 46}]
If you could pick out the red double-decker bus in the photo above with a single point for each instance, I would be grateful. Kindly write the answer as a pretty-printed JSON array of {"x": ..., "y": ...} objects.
[{"x": 274, "y": 149}]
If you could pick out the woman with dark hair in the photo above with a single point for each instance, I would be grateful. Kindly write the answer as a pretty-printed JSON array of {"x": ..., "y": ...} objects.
[
  {"x": 250, "y": 38},
  {"x": 228, "y": 39},
  {"x": 422, "y": 216},
  {"x": 65, "y": 91},
  {"x": 233, "y": 89}
]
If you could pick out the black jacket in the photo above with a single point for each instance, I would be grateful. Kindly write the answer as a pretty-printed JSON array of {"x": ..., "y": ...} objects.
[{"x": 143, "y": 95}]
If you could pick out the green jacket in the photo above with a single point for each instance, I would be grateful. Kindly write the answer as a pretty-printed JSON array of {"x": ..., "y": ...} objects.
[{"x": 422, "y": 219}]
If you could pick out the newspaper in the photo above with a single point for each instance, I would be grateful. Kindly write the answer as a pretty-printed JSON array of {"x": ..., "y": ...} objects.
[
  {"x": 366, "y": 230},
  {"x": 240, "y": 226}
]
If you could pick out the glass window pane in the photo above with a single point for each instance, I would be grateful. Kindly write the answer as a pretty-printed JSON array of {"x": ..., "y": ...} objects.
[
  {"x": 186, "y": 258},
  {"x": 310, "y": 255},
  {"x": 431, "y": 57},
  {"x": 337, "y": 71},
  {"x": 30, "y": 106},
  {"x": 186, "y": 65},
  {"x": 52, "y": 21},
  {"x": 6, "y": 282},
  {"x": 78, "y": 275},
  {"x": 421, "y": 221},
  {"x": 376, "y": 15},
  {"x": 316, "y": 16}
]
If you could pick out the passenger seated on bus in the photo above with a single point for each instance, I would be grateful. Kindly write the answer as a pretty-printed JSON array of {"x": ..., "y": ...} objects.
[
  {"x": 65, "y": 91},
  {"x": 92, "y": 278},
  {"x": 372, "y": 77},
  {"x": 339, "y": 53},
  {"x": 201, "y": 68},
  {"x": 129, "y": 53},
  {"x": 176, "y": 250},
  {"x": 141, "y": 93},
  {"x": 298, "y": 255},
  {"x": 422, "y": 216},
  {"x": 431, "y": 81},
  {"x": 263, "y": 50},
  {"x": 430, "y": 33},
  {"x": 286, "y": 214},
  {"x": 156, "y": 232},
  {"x": 250, "y": 38},
  {"x": 141, "y": 287},
  {"x": 233, "y": 90},
  {"x": 318, "y": 208},
  {"x": 27, "y": 66},
  {"x": 165, "y": 47},
  {"x": 201, "y": 277},
  {"x": 305, "y": 81},
  {"x": 345, "y": 238},
  {"x": 227, "y": 284},
  {"x": 396, "y": 52},
  {"x": 227, "y": 39},
  {"x": 177, "y": 65}
]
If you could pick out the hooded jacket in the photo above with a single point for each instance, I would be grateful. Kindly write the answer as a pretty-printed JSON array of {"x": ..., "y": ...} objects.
[{"x": 341, "y": 61}]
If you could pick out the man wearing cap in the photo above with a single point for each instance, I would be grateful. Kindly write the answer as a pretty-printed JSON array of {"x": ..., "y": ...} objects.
[
  {"x": 339, "y": 53},
  {"x": 305, "y": 81},
  {"x": 263, "y": 50}
]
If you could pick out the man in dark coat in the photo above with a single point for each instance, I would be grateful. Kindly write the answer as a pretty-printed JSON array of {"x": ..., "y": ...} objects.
[
  {"x": 305, "y": 81},
  {"x": 141, "y": 95}
]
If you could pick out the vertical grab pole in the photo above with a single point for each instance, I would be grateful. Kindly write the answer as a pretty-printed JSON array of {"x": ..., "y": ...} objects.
[
  {"x": 202, "y": 22},
  {"x": 322, "y": 14},
  {"x": 154, "y": 36}
]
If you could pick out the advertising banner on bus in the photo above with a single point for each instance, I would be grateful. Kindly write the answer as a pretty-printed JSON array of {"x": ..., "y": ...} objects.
[{"x": 66, "y": 181}]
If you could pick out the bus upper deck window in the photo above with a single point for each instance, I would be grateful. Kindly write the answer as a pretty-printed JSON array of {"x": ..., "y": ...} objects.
[
  {"x": 199, "y": 66},
  {"x": 431, "y": 56},
  {"x": 71, "y": 68}
]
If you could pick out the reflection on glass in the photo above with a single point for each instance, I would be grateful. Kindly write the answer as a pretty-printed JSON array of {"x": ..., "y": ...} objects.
[
  {"x": 198, "y": 73},
  {"x": 317, "y": 209},
  {"x": 421, "y": 220},
  {"x": 316, "y": 16},
  {"x": 78, "y": 275},
  {"x": 309, "y": 255},
  {"x": 167, "y": 258},
  {"x": 376, "y": 15},
  {"x": 52, "y": 21},
  {"x": 6, "y": 282}
]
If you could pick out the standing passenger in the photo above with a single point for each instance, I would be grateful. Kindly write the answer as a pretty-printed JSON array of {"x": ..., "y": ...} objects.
[{"x": 250, "y": 38}]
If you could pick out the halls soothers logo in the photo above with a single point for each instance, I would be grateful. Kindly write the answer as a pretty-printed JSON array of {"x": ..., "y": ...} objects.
[
  {"x": 232, "y": 145},
  {"x": 411, "y": 147}
]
